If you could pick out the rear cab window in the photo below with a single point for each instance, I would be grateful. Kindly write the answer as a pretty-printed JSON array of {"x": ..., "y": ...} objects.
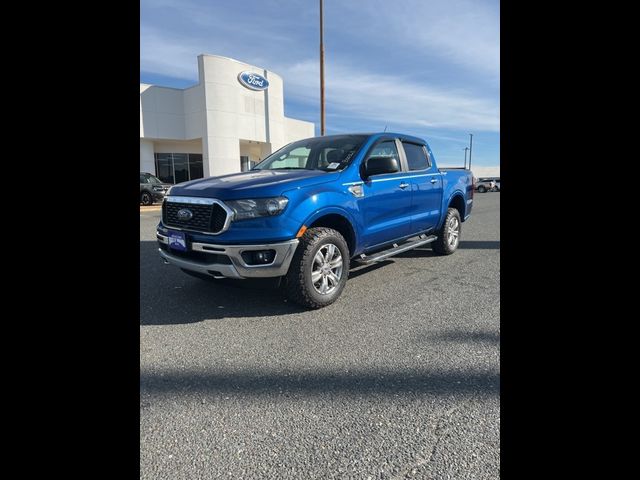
[{"x": 417, "y": 158}]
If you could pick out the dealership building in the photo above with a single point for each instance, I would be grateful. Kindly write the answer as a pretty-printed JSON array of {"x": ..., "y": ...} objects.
[{"x": 229, "y": 121}]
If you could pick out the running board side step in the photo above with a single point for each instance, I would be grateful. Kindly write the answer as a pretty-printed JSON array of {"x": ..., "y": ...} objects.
[{"x": 396, "y": 249}]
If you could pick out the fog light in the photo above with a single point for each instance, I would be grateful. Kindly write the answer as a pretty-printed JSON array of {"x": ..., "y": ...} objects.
[{"x": 259, "y": 257}]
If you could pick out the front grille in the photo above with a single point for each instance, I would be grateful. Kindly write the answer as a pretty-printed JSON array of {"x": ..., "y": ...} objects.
[
  {"x": 218, "y": 217},
  {"x": 206, "y": 218}
]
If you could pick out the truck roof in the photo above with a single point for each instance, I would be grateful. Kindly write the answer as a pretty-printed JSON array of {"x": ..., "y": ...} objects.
[
  {"x": 377, "y": 134},
  {"x": 403, "y": 136}
]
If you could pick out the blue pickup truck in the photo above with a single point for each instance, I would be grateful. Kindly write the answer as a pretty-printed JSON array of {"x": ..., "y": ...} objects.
[{"x": 309, "y": 209}]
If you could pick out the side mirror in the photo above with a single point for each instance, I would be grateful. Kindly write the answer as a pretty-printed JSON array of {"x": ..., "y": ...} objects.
[{"x": 380, "y": 165}]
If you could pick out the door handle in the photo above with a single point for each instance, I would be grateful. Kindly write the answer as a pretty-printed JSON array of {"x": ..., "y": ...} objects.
[
  {"x": 433, "y": 180},
  {"x": 403, "y": 185}
]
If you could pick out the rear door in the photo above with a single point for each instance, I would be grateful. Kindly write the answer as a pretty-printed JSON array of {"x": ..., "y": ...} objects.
[
  {"x": 426, "y": 187},
  {"x": 386, "y": 204}
]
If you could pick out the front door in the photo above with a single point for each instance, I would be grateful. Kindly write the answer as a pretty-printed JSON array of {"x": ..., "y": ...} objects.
[{"x": 386, "y": 204}]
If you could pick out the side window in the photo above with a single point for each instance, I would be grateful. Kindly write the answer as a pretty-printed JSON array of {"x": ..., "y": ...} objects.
[
  {"x": 385, "y": 149},
  {"x": 416, "y": 156}
]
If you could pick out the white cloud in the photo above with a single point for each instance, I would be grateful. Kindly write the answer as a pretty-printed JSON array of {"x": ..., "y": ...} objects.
[
  {"x": 458, "y": 31},
  {"x": 165, "y": 54},
  {"x": 389, "y": 99},
  {"x": 462, "y": 32}
]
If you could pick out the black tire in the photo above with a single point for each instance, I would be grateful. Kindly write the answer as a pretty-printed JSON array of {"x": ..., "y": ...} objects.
[
  {"x": 482, "y": 189},
  {"x": 299, "y": 286},
  {"x": 201, "y": 276},
  {"x": 146, "y": 198},
  {"x": 442, "y": 245}
]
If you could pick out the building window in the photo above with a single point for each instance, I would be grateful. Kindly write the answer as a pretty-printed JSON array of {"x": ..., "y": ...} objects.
[
  {"x": 164, "y": 167},
  {"x": 178, "y": 167},
  {"x": 195, "y": 166},
  {"x": 246, "y": 164}
]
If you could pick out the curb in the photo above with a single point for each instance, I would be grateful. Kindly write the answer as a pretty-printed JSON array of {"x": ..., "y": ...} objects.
[{"x": 150, "y": 208}]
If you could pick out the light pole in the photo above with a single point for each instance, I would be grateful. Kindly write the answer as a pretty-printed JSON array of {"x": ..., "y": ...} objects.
[
  {"x": 321, "y": 68},
  {"x": 470, "y": 148},
  {"x": 465, "y": 157}
]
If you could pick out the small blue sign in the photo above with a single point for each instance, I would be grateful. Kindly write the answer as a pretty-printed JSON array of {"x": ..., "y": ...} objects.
[
  {"x": 177, "y": 241},
  {"x": 253, "y": 81}
]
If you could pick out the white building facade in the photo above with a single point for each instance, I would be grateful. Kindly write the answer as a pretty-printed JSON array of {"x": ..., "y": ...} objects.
[{"x": 229, "y": 121}]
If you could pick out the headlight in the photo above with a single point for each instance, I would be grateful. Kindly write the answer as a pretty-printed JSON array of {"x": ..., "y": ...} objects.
[
  {"x": 158, "y": 189},
  {"x": 168, "y": 192},
  {"x": 258, "y": 207}
]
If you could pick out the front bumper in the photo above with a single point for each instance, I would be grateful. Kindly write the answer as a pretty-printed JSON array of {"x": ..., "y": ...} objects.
[
  {"x": 157, "y": 196},
  {"x": 236, "y": 268}
]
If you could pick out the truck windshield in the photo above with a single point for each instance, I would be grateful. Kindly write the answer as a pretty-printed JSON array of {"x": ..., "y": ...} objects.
[{"x": 322, "y": 153}]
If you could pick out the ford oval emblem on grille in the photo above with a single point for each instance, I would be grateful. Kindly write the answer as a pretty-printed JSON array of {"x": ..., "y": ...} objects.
[{"x": 184, "y": 214}]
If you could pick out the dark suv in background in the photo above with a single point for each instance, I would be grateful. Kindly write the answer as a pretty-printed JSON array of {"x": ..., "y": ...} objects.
[{"x": 151, "y": 188}]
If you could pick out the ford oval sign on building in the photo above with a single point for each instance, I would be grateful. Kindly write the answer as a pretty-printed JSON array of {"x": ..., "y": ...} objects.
[{"x": 253, "y": 81}]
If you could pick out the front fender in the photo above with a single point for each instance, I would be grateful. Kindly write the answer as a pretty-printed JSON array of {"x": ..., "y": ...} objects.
[
  {"x": 328, "y": 211},
  {"x": 314, "y": 205}
]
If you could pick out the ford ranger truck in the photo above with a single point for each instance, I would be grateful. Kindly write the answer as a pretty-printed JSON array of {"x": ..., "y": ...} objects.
[{"x": 308, "y": 209}]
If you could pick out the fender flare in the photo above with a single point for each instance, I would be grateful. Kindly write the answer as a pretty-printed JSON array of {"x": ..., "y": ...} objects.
[{"x": 322, "y": 211}]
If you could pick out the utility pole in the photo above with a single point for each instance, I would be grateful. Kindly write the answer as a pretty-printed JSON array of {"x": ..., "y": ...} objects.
[
  {"x": 321, "y": 67},
  {"x": 465, "y": 157},
  {"x": 470, "y": 148}
]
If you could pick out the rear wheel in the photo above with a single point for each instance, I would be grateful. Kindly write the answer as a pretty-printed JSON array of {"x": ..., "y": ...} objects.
[
  {"x": 449, "y": 234},
  {"x": 482, "y": 189},
  {"x": 146, "y": 198},
  {"x": 319, "y": 268}
]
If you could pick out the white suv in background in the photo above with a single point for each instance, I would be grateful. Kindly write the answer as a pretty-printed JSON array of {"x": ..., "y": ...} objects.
[{"x": 485, "y": 185}]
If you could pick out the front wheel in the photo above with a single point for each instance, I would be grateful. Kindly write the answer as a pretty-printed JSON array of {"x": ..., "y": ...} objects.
[
  {"x": 482, "y": 189},
  {"x": 319, "y": 268},
  {"x": 146, "y": 198},
  {"x": 449, "y": 234}
]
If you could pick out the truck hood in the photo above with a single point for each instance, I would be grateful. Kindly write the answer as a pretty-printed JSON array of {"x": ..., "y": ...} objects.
[{"x": 256, "y": 183}]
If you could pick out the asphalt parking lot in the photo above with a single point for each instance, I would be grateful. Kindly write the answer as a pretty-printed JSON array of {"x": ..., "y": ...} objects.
[{"x": 399, "y": 378}]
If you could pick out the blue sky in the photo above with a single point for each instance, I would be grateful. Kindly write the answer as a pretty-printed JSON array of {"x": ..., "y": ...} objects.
[{"x": 430, "y": 68}]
